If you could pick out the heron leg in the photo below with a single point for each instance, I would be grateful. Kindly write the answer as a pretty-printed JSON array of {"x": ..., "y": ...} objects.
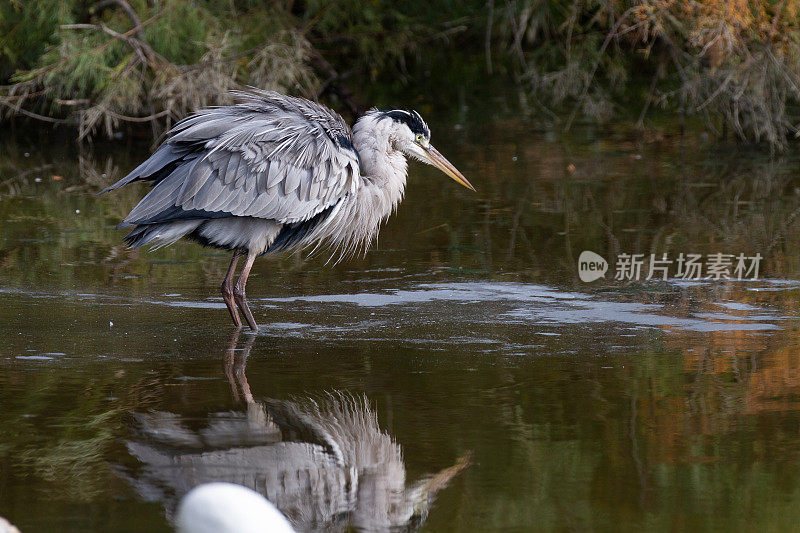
[
  {"x": 227, "y": 289},
  {"x": 238, "y": 291}
]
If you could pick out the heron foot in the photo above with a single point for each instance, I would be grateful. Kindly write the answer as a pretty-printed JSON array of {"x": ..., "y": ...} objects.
[{"x": 241, "y": 301}]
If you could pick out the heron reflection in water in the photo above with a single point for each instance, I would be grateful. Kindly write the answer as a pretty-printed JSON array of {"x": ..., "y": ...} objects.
[{"x": 324, "y": 462}]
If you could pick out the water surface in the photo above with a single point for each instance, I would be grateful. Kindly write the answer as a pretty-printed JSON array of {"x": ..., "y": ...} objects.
[{"x": 498, "y": 390}]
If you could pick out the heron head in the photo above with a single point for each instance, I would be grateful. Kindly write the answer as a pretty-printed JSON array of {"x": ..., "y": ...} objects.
[{"x": 413, "y": 138}]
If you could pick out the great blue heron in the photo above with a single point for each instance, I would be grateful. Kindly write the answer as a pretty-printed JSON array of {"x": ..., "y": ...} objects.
[{"x": 274, "y": 173}]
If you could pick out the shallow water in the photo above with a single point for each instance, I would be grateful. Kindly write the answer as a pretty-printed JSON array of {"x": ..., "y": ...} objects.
[{"x": 519, "y": 397}]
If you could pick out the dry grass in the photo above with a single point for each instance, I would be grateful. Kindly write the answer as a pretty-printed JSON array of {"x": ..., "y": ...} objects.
[{"x": 734, "y": 63}]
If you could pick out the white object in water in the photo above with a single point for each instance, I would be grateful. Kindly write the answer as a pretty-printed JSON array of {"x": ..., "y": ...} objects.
[
  {"x": 228, "y": 508},
  {"x": 7, "y": 527}
]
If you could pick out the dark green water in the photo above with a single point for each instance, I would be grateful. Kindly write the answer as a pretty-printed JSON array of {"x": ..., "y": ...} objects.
[{"x": 520, "y": 397}]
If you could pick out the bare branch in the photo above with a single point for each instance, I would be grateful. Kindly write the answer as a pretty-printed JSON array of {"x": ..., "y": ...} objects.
[
  {"x": 126, "y": 7},
  {"x": 31, "y": 114}
]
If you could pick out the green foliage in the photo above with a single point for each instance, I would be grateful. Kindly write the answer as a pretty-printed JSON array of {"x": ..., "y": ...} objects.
[
  {"x": 732, "y": 63},
  {"x": 114, "y": 62},
  {"x": 180, "y": 33},
  {"x": 27, "y": 29}
]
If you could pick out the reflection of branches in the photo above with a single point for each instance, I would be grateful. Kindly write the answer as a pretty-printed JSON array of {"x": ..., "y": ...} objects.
[
  {"x": 521, "y": 204},
  {"x": 95, "y": 173},
  {"x": 640, "y": 468},
  {"x": 26, "y": 173},
  {"x": 781, "y": 233}
]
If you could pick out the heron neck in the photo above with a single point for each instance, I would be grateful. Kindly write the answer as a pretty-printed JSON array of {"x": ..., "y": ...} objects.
[
  {"x": 355, "y": 222},
  {"x": 382, "y": 165}
]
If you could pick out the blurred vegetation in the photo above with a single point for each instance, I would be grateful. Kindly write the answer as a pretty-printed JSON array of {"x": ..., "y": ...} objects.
[{"x": 732, "y": 64}]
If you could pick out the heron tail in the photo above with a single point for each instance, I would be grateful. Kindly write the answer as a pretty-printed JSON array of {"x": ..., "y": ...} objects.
[
  {"x": 157, "y": 166},
  {"x": 158, "y": 235}
]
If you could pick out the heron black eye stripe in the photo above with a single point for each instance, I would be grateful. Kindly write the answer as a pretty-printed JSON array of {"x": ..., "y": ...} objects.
[{"x": 412, "y": 119}]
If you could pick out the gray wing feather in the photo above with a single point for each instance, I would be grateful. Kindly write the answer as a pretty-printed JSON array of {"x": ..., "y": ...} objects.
[
  {"x": 161, "y": 198},
  {"x": 261, "y": 183},
  {"x": 270, "y": 156},
  {"x": 229, "y": 172},
  {"x": 210, "y": 196},
  {"x": 293, "y": 177},
  {"x": 165, "y": 155},
  {"x": 304, "y": 189},
  {"x": 275, "y": 174},
  {"x": 243, "y": 172}
]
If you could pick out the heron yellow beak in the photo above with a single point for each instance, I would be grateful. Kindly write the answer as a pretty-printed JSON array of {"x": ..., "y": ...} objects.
[{"x": 439, "y": 161}]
